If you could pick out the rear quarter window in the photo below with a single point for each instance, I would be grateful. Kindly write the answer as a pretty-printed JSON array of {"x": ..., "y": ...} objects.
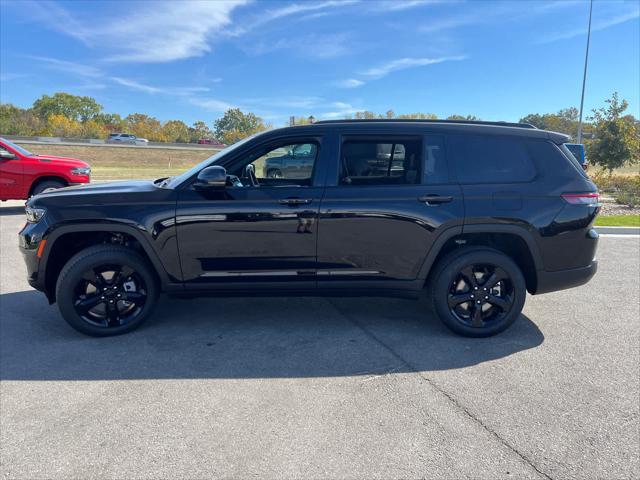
[{"x": 491, "y": 159}]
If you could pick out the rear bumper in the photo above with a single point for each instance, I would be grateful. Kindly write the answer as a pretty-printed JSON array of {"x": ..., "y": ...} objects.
[{"x": 563, "y": 279}]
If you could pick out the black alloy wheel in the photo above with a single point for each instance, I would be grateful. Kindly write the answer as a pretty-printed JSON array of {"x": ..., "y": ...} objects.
[
  {"x": 110, "y": 295},
  {"x": 480, "y": 294},
  {"x": 106, "y": 290},
  {"x": 477, "y": 291}
]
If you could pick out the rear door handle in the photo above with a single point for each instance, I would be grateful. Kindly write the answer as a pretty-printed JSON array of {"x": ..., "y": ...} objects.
[
  {"x": 435, "y": 199},
  {"x": 295, "y": 201}
]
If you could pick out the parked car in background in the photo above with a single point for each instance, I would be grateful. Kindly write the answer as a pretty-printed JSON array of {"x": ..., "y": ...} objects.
[
  {"x": 212, "y": 142},
  {"x": 478, "y": 214},
  {"x": 577, "y": 150},
  {"x": 23, "y": 174},
  {"x": 126, "y": 138},
  {"x": 291, "y": 161}
]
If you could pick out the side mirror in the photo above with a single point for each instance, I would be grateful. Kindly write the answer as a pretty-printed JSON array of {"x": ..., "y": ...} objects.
[
  {"x": 6, "y": 154},
  {"x": 211, "y": 178}
]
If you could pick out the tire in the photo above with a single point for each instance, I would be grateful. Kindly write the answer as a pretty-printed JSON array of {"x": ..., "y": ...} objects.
[
  {"x": 467, "y": 298},
  {"x": 46, "y": 185},
  {"x": 274, "y": 173},
  {"x": 121, "y": 300}
]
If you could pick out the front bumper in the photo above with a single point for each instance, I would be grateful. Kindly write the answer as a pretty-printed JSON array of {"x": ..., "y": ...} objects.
[
  {"x": 30, "y": 241},
  {"x": 563, "y": 279}
]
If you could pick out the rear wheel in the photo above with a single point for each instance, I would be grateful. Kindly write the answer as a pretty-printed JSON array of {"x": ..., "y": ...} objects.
[
  {"x": 274, "y": 173},
  {"x": 47, "y": 185},
  {"x": 477, "y": 291},
  {"x": 106, "y": 290}
]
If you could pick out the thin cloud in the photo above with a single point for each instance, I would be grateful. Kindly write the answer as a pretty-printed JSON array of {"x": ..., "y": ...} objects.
[
  {"x": 141, "y": 87},
  {"x": 7, "y": 77},
  {"x": 596, "y": 26},
  {"x": 320, "y": 47},
  {"x": 385, "y": 69},
  {"x": 349, "y": 83},
  {"x": 400, "y": 5},
  {"x": 80, "y": 69},
  {"x": 404, "y": 63},
  {"x": 287, "y": 11},
  {"x": 211, "y": 104}
]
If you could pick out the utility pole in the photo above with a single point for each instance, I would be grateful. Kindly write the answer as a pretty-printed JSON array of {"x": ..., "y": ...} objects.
[{"x": 584, "y": 77}]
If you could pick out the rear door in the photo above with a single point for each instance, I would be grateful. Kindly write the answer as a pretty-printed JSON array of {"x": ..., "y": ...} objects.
[{"x": 380, "y": 216}]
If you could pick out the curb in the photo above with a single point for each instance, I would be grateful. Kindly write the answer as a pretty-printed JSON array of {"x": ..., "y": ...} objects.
[{"x": 619, "y": 230}]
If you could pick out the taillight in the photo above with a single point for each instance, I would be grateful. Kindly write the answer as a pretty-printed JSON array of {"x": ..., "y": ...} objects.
[{"x": 581, "y": 198}]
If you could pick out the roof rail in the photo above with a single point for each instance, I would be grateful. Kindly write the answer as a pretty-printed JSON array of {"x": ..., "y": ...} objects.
[{"x": 425, "y": 120}]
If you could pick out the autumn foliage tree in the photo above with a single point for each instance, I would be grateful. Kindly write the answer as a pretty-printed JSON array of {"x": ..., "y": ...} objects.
[{"x": 235, "y": 125}]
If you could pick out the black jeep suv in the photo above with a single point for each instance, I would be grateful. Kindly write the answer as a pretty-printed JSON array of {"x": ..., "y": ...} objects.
[{"x": 478, "y": 213}]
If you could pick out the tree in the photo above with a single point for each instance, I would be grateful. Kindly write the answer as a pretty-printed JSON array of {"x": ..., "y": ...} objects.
[
  {"x": 93, "y": 129},
  {"x": 236, "y": 125},
  {"x": 111, "y": 121},
  {"x": 71, "y": 106},
  {"x": 176, "y": 131},
  {"x": 462, "y": 117},
  {"x": 418, "y": 116},
  {"x": 144, "y": 126},
  {"x": 19, "y": 121},
  {"x": 60, "y": 126},
  {"x": 565, "y": 121},
  {"x": 617, "y": 137},
  {"x": 199, "y": 130},
  {"x": 365, "y": 115}
]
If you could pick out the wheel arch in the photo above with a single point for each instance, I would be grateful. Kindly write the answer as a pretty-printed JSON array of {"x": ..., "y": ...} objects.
[
  {"x": 82, "y": 236},
  {"x": 44, "y": 178},
  {"x": 514, "y": 241}
]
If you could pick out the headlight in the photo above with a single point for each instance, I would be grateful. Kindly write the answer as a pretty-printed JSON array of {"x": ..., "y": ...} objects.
[
  {"x": 81, "y": 171},
  {"x": 34, "y": 215}
]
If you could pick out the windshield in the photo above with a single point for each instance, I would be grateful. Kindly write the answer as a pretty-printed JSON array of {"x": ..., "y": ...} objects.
[
  {"x": 175, "y": 181},
  {"x": 17, "y": 148}
]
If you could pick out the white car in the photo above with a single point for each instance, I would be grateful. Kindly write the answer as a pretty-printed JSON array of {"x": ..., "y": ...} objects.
[{"x": 126, "y": 138}]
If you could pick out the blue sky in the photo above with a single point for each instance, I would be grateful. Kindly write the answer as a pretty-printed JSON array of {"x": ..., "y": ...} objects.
[{"x": 193, "y": 60}]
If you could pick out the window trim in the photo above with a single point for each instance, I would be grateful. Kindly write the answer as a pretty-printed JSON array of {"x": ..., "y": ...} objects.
[{"x": 455, "y": 162}]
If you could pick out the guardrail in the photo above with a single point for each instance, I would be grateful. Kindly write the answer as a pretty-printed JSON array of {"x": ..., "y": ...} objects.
[{"x": 95, "y": 142}]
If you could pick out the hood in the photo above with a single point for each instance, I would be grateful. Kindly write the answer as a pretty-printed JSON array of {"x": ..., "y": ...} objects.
[
  {"x": 63, "y": 161},
  {"x": 96, "y": 193}
]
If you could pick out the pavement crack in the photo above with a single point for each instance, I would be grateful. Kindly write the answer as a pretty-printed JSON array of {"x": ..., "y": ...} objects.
[{"x": 440, "y": 390}]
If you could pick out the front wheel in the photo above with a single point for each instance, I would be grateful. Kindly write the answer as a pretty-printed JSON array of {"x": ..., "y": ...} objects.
[
  {"x": 47, "y": 185},
  {"x": 106, "y": 290},
  {"x": 477, "y": 291}
]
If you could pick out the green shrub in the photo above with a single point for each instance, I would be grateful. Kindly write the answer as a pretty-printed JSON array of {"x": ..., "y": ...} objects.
[{"x": 624, "y": 189}]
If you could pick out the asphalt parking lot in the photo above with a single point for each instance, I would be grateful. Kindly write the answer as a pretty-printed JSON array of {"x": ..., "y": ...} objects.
[{"x": 324, "y": 388}]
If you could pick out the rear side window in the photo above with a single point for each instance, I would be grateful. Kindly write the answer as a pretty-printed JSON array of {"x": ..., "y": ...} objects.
[
  {"x": 491, "y": 159},
  {"x": 381, "y": 161},
  {"x": 435, "y": 162}
]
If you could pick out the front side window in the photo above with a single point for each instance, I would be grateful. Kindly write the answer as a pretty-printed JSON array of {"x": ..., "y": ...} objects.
[
  {"x": 285, "y": 164},
  {"x": 380, "y": 161},
  {"x": 491, "y": 159}
]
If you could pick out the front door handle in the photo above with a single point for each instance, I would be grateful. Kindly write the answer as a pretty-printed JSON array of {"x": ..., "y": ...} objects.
[
  {"x": 295, "y": 201},
  {"x": 435, "y": 199}
]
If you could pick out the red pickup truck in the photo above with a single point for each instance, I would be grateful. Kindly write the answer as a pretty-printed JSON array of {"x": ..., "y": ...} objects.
[{"x": 23, "y": 174}]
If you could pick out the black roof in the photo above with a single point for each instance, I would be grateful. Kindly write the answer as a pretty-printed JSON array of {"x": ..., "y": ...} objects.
[
  {"x": 429, "y": 120},
  {"x": 420, "y": 126}
]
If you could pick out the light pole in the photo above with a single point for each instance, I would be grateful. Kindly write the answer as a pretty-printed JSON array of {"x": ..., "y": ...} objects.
[{"x": 584, "y": 77}]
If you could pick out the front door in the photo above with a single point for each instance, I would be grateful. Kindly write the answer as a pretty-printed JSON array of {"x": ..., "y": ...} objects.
[
  {"x": 391, "y": 198},
  {"x": 261, "y": 229}
]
